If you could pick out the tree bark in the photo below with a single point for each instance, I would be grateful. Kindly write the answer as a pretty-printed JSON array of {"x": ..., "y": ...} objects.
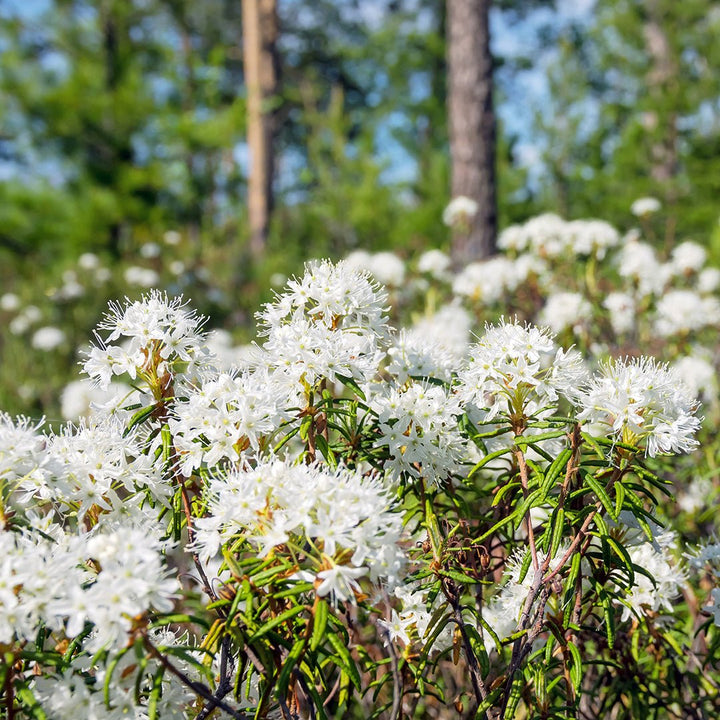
[
  {"x": 661, "y": 77},
  {"x": 471, "y": 123},
  {"x": 260, "y": 58}
]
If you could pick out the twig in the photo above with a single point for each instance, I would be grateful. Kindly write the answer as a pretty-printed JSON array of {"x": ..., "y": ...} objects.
[
  {"x": 397, "y": 678},
  {"x": 524, "y": 481},
  {"x": 197, "y": 687},
  {"x": 224, "y": 686},
  {"x": 476, "y": 679}
]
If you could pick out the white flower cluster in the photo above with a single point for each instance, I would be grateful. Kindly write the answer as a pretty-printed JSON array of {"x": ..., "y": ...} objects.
[
  {"x": 158, "y": 333},
  {"x": 344, "y": 522},
  {"x": 640, "y": 401},
  {"x": 549, "y": 236},
  {"x": 418, "y": 426},
  {"x": 326, "y": 324},
  {"x": 668, "y": 577},
  {"x": 105, "y": 577},
  {"x": 412, "y": 624},
  {"x": 223, "y": 417},
  {"x": 433, "y": 347},
  {"x": 517, "y": 370},
  {"x": 459, "y": 211}
]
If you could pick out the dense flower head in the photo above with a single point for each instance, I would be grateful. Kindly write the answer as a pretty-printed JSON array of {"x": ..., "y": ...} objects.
[
  {"x": 688, "y": 257},
  {"x": 565, "y": 310},
  {"x": 386, "y": 267},
  {"x": 413, "y": 623},
  {"x": 668, "y": 576},
  {"x": 517, "y": 369},
  {"x": 621, "y": 307},
  {"x": 645, "y": 206},
  {"x": 347, "y": 520},
  {"x": 223, "y": 417},
  {"x": 460, "y": 210},
  {"x": 433, "y": 347},
  {"x": 92, "y": 465},
  {"x": 329, "y": 322},
  {"x": 21, "y": 448},
  {"x": 549, "y": 236},
  {"x": 637, "y": 400},
  {"x": 334, "y": 294},
  {"x": 47, "y": 578},
  {"x": 156, "y": 333},
  {"x": 487, "y": 281},
  {"x": 418, "y": 428},
  {"x": 683, "y": 311},
  {"x": 637, "y": 261},
  {"x": 304, "y": 351}
]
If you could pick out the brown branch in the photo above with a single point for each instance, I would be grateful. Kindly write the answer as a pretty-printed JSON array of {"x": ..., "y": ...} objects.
[
  {"x": 524, "y": 481},
  {"x": 197, "y": 687},
  {"x": 476, "y": 679}
]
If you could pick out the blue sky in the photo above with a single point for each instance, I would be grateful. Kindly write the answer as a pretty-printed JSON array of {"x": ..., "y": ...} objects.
[{"x": 526, "y": 92}]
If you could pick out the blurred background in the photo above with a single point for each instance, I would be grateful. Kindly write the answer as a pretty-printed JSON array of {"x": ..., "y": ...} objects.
[{"x": 127, "y": 128}]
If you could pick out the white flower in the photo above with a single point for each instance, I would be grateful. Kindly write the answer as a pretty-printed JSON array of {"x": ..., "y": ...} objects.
[
  {"x": 645, "y": 206},
  {"x": 419, "y": 428},
  {"x": 386, "y": 267},
  {"x": 688, "y": 257},
  {"x": 434, "y": 262},
  {"x": 142, "y": 277},
  {"x": 708, "y": 280},
  {"x": 487, "y": 281},
  {"x": 47, "y": 338},
  {"x": 514, "y": 364},
  {"x": 460, "y": 210},
  {"x": 638, "y": 261},
  {"x": 150, "y": 250},
  {"x": 681, "y": 311},
  {"x": 621, "y": 307},
  {"x": 340, "y": 581},
  {"x": 156, "y": 330},
  {"x": 9, "y": 302},
  {"x": 637, "y": 400},
  {"x": 89, "y": 261},
  {"x": 667, "y": 581},
  {"x": 565, "y": 310},
  {"x": 172, "y": 237},
  {"x": 80, "y": 397},
  {"x": 698, "y": 374},
  {"x": 350, "y": 516}
]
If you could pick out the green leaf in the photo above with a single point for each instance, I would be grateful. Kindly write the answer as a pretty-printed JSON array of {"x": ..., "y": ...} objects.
[
  {"x": 348, "y": 663},
  {"x": 576, "y": 669},
  {"x": 290, "y": 661},
  {"x": 155, "y": 693},
  {"x": 555, "y": 469},
  {"x": 350, "y": 383},
  {"x": 557, "y": 522},
  {"x": 602, "y": 495},
  {"x": 274, "y": 622},
  {"x": 320, "y": 623},
  {"x": 487, "y": 459},
  {"x": 531, "y": 439},
  {"x": 139, "y": 417}
]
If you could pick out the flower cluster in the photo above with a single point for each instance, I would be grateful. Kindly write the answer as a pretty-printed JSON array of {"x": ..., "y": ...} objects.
[
  {"x": 343, "y": 522},
  {"x": 638, "y": 401}
]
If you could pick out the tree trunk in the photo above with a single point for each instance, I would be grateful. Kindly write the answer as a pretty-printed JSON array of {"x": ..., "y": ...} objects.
[
  {"x": 471, "y": 123},
  {"x": 661, "y": 79},
  {"x": 260, "y": 30}
]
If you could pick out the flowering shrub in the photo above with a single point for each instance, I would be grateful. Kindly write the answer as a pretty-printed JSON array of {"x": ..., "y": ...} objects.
[{"x": 356, "y": 523}]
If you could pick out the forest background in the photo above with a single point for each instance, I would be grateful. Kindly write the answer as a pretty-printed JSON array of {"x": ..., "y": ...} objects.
[{"x": 124, "y": 140}]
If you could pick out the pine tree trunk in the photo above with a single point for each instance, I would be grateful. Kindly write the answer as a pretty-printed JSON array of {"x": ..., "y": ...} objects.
[
  {"x": 260, "y": 30},
  {"x": 661, "y": 78},
  {"x": 471, "y": 123}
]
